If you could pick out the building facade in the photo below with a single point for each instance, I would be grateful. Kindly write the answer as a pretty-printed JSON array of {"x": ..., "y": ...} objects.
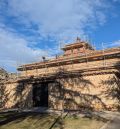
[{"x": 80, "y": 78}]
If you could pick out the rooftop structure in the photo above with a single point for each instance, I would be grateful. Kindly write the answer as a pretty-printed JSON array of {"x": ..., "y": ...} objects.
[
  {"x": 75, "y": 53},
  {"x": 79, "y": 47}
]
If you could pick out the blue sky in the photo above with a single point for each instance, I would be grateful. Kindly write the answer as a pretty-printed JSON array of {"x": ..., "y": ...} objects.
[{"x": 30, "y": 29}]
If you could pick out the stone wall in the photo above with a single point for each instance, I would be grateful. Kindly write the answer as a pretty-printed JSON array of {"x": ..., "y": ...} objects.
[
  {"x": 78, "y": 66},
  {"x": 17, "y": 95},
  {"x": 97, "y": 92}
]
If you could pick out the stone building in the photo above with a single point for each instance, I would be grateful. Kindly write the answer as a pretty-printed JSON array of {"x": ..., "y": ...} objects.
[{"x": 80, "y": 78}]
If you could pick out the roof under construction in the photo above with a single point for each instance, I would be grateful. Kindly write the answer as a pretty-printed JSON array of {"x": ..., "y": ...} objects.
[
  {"x": 77, "y": 44},
  {"x": 78, "y": 57}
]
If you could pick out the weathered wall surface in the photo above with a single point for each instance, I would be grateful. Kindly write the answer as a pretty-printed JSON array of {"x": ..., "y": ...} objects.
[
  {"x": 100, "y": 91},
  {"x": 78, "y": 66},
  {"x": 97, "y": 92},
  {"x": 17, "y": 95}
]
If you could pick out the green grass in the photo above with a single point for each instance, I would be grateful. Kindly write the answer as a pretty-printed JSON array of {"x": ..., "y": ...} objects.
[
  {"x": 79, "y": 123},
  {"x": 12, "y": 120}
]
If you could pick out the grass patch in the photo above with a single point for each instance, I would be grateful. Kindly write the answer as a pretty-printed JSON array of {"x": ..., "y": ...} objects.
[
  {"x": 26, "y": 120},
  {"x": 78, "y": 123},
  {"x": 14, "y": 120}
]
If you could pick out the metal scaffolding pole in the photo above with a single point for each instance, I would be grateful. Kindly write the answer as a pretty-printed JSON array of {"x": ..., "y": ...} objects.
[{"x": 104, "y": 61}]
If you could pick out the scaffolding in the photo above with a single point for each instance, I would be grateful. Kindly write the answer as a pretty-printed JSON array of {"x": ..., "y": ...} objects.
[
  {"x": 94, "y": 54},
  {"x": 59, "y": 64},
  {"x": 64, "y": 61}
]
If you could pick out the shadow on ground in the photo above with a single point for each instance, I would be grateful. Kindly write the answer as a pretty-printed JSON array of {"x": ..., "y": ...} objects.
[{"x": 42, "y": 120}]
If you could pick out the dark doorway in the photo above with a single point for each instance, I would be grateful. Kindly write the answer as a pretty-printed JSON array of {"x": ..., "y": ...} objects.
[{"x": 40, "y": 95}]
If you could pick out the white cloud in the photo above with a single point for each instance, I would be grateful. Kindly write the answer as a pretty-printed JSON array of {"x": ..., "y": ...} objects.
[
  {"x": 116, "y": 43},
  {"x": 111, "y": 44},
  {"x": 116, "y": 0},
  {"x": 64, "y": 19},
  {"x": 58, "y": 19},
  {"x": 14, "y": 49}
]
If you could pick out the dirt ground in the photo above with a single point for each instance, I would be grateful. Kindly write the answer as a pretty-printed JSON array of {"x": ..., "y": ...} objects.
[{"x": 15, "y": 120}]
